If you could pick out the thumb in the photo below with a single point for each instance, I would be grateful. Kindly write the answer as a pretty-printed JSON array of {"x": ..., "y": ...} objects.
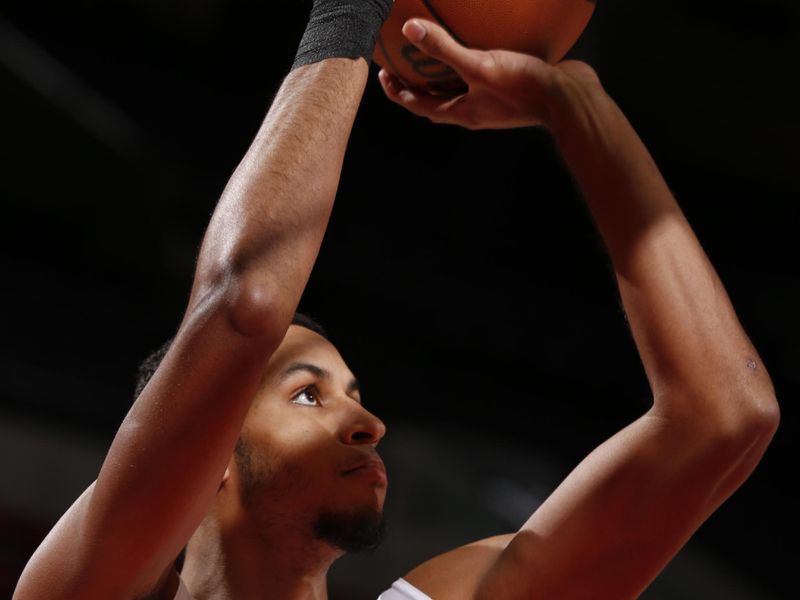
[{"x": 437, "y": 43}]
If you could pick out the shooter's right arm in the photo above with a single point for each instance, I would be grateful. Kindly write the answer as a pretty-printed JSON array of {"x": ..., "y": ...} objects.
[{"x": 165, "y": 464}]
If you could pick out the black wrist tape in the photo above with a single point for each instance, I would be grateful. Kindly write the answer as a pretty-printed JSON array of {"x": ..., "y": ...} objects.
[{"x": 342, "y": 29}]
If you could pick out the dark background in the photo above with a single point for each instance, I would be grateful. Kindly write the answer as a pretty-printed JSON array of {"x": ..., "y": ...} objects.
[{"x": 461, "y": 276}]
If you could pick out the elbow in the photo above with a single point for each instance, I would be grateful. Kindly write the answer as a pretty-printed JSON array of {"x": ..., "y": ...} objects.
[
  {"x": 724, "y": 427},
  {"x": 761, "y": 409},
  {"x": 764, "y": 417},
  {"x": 738, "y": 450},
  {"x": 758, "y": 412},
  {"x": 252, "y": 307},
  {"x": 255, "y": 310},
  {"x": 752, "y": 425}
]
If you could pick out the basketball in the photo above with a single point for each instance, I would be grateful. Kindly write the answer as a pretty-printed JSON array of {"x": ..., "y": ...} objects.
[{"x": 543, "y": 28}]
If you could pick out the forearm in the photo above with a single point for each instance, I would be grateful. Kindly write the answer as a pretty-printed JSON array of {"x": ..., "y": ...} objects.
[
  {"x": 695, "y": 352},
  {"x": 268, "y": 226}
]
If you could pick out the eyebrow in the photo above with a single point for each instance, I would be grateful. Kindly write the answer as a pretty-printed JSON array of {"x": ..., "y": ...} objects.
[{"x": 317, "y": 372}]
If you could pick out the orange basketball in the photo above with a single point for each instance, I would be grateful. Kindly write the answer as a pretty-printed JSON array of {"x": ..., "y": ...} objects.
[{"x": 544, "y": 28}]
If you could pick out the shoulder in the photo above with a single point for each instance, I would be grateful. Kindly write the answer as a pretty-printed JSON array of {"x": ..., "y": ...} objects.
[{"x": 457, "y": 574}]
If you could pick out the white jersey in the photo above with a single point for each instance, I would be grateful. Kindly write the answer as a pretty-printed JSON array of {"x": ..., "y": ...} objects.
[{"x": 400, "y": 590}]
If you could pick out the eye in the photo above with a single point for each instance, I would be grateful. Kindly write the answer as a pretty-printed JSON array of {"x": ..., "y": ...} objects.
[{"x": 308, "y": 396}]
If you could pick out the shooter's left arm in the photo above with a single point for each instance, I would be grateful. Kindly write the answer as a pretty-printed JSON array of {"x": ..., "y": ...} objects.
[{"x": 628, "y": 507}]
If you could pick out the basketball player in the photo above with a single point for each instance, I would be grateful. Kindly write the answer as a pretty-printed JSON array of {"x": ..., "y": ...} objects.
[{"x": 267, "y": 516}]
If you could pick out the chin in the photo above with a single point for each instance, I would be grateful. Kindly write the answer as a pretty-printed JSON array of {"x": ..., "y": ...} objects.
[{"x": 353, "y": 529}]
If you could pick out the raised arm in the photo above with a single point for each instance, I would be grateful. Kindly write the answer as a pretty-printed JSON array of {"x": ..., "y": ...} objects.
[
  {"x": 626, "y": 510},
  {"x": 165, "y": 464}
]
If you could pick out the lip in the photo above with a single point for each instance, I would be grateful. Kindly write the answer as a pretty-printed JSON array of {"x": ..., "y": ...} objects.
[{"x": 372, "y": 469}]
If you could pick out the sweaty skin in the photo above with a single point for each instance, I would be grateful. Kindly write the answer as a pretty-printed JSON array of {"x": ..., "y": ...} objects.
[
  {"x": 307, "y": 430},
  {"x": 626, "y": 510},
  {"x": 237, "y": 368},
  {"x": 163, "y": 471}
]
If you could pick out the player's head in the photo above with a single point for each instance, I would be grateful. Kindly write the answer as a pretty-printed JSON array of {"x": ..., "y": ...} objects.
[
  {"x": 149, "y": 365},
  {"x": 307, "y": 451}
]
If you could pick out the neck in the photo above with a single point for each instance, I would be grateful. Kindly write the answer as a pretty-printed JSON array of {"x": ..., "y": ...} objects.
[{"x": 246, "y": 562}]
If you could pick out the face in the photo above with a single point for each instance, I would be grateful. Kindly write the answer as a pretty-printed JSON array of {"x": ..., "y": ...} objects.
[{"x": 307, "y": 454}]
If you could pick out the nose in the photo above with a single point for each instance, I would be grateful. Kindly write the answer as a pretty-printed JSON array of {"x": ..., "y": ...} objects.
[{"x": 363, "y": 428}]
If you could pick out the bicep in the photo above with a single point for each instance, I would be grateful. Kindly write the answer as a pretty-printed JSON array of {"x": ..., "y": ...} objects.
[
  {"x": 161, "y": 473},
  {"x": 622, "y": 514}
]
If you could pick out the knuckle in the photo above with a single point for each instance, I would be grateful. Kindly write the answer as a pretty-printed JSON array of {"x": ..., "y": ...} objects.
[
  {"x": 485, "y": 67},
  {"x": 490, "y": 61}
]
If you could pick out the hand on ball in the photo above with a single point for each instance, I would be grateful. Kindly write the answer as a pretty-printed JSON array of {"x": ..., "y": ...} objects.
[{"x": 505, "y": 89}]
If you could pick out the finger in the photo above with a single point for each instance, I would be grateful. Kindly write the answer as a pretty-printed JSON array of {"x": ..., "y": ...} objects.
[
  {"x": 434, "y": 41},
  {"x": 438, "y": 109},
  {"x": 417, "y": 101}
]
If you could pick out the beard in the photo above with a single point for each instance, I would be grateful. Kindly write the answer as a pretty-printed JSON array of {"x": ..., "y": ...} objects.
[
  {"x": 353, "y": 532},
  {"x": 262, "y": 482}
]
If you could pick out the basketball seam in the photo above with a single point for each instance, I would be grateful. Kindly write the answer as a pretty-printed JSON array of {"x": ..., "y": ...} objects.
[
  {"x": 386, "y": 54},
  {"x": 435, "y": 15}
]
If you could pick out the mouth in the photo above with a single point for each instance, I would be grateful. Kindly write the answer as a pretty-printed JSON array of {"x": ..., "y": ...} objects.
[{"x": 372, "y": 469}]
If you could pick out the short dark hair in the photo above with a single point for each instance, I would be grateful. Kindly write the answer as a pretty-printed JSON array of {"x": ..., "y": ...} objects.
[
  {"x": 303, "y": 320},
  {"x": 149, "y": 365}
]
